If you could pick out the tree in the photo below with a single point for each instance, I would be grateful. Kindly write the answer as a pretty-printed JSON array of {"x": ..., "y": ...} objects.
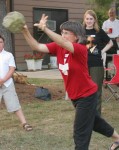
[
  {"x": 101, "y": 4},
  {"x": 101, "y": 7},
  {"x": 6, "y": 34}
]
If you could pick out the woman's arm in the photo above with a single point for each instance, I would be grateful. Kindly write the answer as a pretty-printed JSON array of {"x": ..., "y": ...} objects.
[
  {"x": 32, "y": 42},
  {"x": 107, "y": 47},
  {"x": 52, "y": 35},
  {"x": 59, "y": 40}
]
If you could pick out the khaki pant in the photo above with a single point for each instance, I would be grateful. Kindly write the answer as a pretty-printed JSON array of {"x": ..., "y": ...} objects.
[
  {"x": 10, "y": 97},
  {"x": 97, "y": 74}
]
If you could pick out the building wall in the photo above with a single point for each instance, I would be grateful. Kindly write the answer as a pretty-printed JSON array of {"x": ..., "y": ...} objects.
[{"x": 76, "y": 9}]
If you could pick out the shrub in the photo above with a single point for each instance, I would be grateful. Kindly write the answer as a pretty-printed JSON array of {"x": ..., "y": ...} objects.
[{"x": 102, "y": 16}]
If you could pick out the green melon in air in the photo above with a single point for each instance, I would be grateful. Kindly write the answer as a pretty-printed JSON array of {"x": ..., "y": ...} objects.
[{"x": 14, "y": 22}]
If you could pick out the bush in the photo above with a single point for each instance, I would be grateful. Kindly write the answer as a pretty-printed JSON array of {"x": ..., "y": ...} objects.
[{"x": 102, "y": 16}]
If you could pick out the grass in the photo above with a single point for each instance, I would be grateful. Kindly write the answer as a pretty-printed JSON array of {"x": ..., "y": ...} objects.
[{"x": 53, "y": 123}]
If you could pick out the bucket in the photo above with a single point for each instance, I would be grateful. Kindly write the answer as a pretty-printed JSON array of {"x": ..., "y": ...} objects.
[{"x": 53, "y": 62}]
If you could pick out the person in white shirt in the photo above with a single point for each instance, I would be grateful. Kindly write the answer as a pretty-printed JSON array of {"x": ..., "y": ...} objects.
[
  {"x": 111, "y": 27},
  {"x": 7, "y": 88}
]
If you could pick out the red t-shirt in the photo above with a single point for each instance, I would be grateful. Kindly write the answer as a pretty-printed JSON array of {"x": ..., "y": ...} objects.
[{"x": 74, "y": 70}]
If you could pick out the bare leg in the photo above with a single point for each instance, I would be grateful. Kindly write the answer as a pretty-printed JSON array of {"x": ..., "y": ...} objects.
[
  {"x": 115, "y": 136},
  {"x": 22, "y": 119},
  {"x": 66, "y": 96},
  {"x": 21, "y": 116}
]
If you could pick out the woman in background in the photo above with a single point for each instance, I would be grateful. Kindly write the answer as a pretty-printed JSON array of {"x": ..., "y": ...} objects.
[{"x": 98, "y": 43}]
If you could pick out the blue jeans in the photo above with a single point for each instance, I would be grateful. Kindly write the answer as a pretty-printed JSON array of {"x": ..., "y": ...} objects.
[{"x": 86, "y": 120}]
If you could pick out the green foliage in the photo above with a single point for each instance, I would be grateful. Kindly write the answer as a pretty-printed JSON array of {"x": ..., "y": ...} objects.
[
  {"x": 102, "y": 3},
  {"x": 102, "y": 16},
  {"x": 101, "y": 8}
]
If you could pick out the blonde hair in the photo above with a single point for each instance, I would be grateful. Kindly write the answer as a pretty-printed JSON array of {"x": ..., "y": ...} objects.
[
  {"x": 93, "y": 14},
  {"x": 112, "y": 10}
]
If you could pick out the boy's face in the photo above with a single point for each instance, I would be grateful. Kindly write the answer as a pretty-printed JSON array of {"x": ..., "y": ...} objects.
[{"x": 1, "y": 44}]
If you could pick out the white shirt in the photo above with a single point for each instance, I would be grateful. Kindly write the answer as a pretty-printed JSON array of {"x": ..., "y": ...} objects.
[
  {"x": 6, "y": 60},
  {"x": 111, "y": 24}
]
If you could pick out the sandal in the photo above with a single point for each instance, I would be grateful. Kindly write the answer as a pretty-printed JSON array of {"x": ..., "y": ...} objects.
[
  {"x": 27, "y": 127},
  {"x": 117, "y": 146}
]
